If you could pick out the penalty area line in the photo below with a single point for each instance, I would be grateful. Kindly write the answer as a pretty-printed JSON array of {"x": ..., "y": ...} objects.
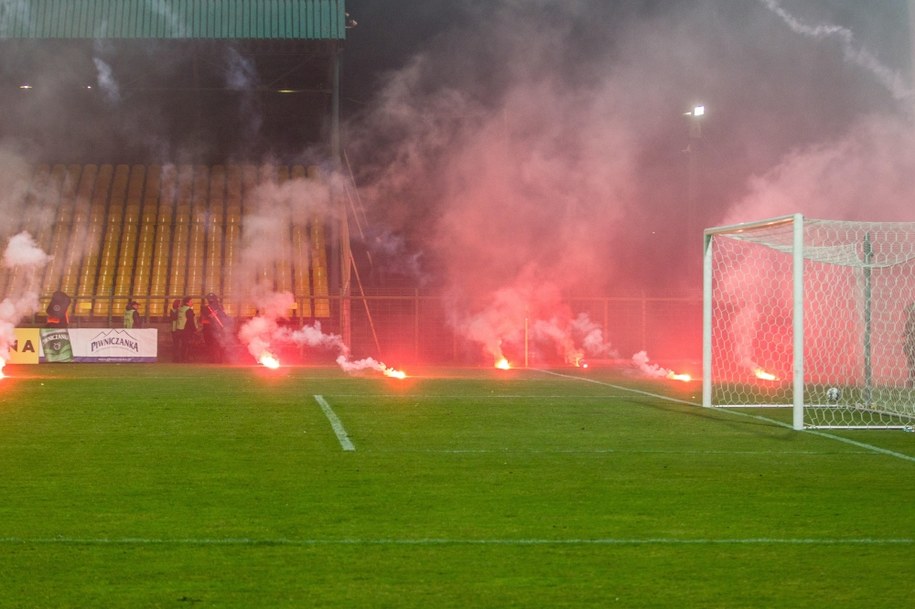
[
  {"x": 620, "y": 387},
  {"x": 435, "y": 541},
  {"x": 736, "y": 413},
  {"x": 345, "y": 443}
]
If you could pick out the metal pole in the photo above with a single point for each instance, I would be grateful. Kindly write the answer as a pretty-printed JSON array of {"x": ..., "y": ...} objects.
[
  {"x": 707, "y": 322},
  {"x": 868, "y": 364},
  {"x": 798, "y": 326}
]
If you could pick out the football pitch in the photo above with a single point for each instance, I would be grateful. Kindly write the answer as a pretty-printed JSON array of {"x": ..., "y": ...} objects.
[{"x": 201, "y": 486}]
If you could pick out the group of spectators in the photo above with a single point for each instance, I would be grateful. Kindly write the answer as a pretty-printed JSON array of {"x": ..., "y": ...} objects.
[
  {"x": 212, "y": 324},
  {"x": 187, "y": 328}
]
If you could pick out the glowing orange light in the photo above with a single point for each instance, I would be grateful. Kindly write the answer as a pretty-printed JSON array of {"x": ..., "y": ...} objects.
[
  {"x": 679, "y": 377},
  {"x": 763, "y": 375},
  {"x": 395, "y": 374},
  {"x": 268, "y": 360},
  {"x": 503, "y": 364},
  {"x": 2, "y": 364}
]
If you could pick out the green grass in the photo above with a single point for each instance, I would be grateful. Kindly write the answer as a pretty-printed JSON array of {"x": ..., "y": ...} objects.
[{"x": 197, "y": 486}]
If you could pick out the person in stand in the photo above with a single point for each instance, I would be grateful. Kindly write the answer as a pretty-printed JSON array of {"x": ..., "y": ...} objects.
[
  {"x": 132, "y": 315},
  {"x": 909, "y": 343},
  {"x": 213, "y": 321},
  {"x": 173, "y": 322},
  {"x": 186, "y": 329}
]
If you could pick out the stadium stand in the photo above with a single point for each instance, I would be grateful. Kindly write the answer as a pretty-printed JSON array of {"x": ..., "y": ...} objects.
[{"x": 155, "y": 233}]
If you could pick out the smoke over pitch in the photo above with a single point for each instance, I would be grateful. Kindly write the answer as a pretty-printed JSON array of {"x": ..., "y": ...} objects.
[
  {"x": 538, "y": 150},
  {"x": 530, "y": 150},
  {"x": 22, "y": 258}
]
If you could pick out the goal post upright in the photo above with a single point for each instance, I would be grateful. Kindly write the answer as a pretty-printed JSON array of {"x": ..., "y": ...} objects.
[
  {"x": 797, "y": 330},
  {"x": 707, "y": 320}
]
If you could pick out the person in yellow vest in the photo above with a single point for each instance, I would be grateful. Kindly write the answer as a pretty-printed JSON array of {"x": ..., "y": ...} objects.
[
  {"x": 132, "y": 315},
  {"x": 186, "y": 328}
]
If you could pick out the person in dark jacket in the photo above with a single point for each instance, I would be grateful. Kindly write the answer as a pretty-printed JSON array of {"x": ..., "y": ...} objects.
[{"x": 185, "y": 329}]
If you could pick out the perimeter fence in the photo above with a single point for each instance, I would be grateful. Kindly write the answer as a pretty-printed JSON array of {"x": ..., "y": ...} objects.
[{"x": 414, "y": 326}]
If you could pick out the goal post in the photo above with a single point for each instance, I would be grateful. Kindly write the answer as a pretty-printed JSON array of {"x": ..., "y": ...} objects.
[{"x": 813, "y": 315}]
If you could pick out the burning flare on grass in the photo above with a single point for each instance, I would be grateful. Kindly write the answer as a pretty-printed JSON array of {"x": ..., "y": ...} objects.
[
  {"x": 641, "y": 362},
  {"x": 530, "y": 313},
  {"x": 394, "y": 374},
  {"x": 369, "y": 363},
  {"x": 264, "y": 332},
  {"x": 503, "y": 364},
  {"x": 763, "y": 375},
  {"x": 679, "y": 377},
  {"x": 268, "y": 360}
]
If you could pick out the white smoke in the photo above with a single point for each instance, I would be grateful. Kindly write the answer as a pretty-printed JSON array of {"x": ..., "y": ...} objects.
[
  {"x": 22, "y": 251},
  {"x": 853, "y": 52},
  {"x": 532, "y": 314},
  {"x": 263, "y": 335},
  {"x": 241, "y": 73},
  {"x": 258, "y": 335},
  {"x": 164, "y": 9},
  {"x": 274, "y": 209},
  {"x": 14, "y": 186},
  {"x": 867, "y": 174},
  {"x": 573, "y": 339},
  {"x": 367, "y": 363},
  {"x": 106, "y": 80},
  {"x": 23, "y": 255},
  {"x": 646, "y": 367},
  {"x": 313, "y": 336}
]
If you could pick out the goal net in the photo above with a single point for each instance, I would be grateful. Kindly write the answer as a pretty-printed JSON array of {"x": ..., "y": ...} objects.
[{"x": 816, "y": 315}]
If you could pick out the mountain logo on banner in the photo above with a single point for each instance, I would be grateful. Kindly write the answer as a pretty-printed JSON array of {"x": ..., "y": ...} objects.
[{"x": 114, "y": 341}]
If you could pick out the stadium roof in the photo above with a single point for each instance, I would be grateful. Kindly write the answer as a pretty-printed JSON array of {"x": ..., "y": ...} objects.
[{"x": 174, "y": 19}]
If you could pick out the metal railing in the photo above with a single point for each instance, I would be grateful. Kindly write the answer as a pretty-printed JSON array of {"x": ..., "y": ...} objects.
[{"x": 412, "y": 325}]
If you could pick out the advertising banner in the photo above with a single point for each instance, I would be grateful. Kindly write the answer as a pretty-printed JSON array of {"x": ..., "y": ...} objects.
[
  {"x": 26, "y": 346},
  {"x": 98, "y": 345}
]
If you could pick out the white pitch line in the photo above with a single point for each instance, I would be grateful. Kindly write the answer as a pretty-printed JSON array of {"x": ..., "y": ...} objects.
[
  {"x": 737, "y": 413},
  {"x": 342, "y": 436},
  {"x": 438, "y": 541},
  {"x": 620, "y": 387}
]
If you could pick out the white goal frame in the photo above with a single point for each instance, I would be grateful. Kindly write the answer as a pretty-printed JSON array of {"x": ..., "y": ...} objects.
[{"x": 813, "y": 401}]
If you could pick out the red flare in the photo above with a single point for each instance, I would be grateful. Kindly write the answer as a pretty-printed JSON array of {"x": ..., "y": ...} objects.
[
  {"x": 763, "y": 375},
  {"x": 679, "y": 377},
  {"x": 268, "y": 360}
]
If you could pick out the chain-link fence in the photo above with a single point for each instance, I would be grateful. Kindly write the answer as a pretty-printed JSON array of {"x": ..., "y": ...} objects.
[{"x": 413, "y": 326}]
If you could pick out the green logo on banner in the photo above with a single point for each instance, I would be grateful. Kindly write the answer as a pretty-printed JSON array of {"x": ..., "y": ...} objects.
[{"x": 56, "y": 345}]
